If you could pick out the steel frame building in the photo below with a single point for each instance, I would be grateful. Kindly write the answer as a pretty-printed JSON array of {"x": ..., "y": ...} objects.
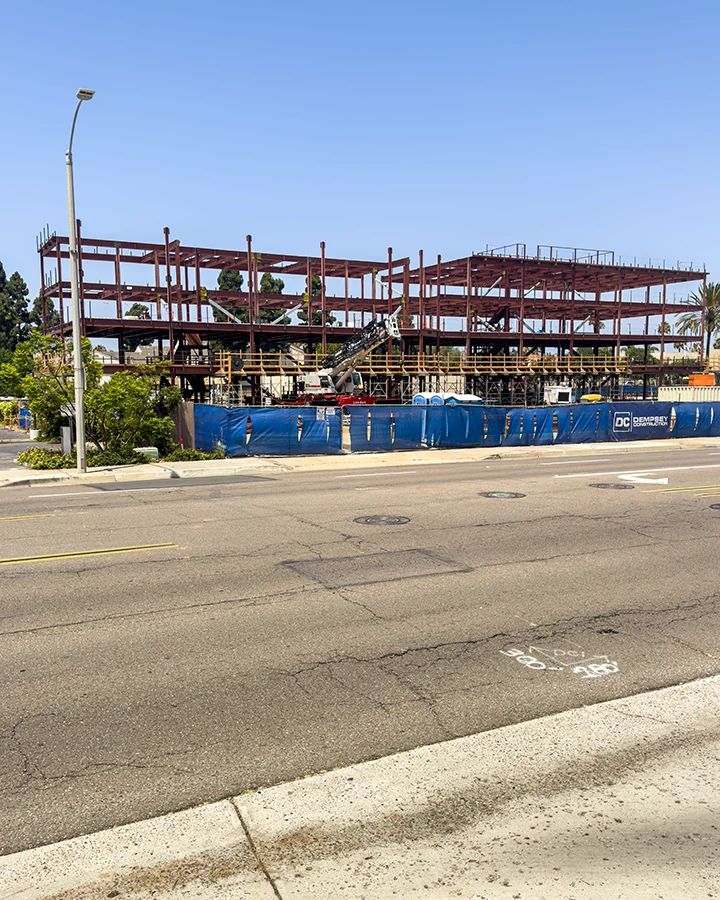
[{"x": 507, "y": 313}]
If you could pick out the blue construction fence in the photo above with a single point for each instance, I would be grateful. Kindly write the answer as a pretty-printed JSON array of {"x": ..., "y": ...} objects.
[
  {"x": 245, "y": 431},
  {"x": 418, "y": 427}
]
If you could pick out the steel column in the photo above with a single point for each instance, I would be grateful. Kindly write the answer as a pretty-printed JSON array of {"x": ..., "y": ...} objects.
[
  {"x": 662, "y": 323},
  {"x": 118, "y": 284},
  {"x": 437, "y": 308},
  {"x": 42, "y": 294},
  {"x": 390, "y": 299},
  {"x": 322, "y": 298},
  {"x": 251, "y": 299},
  {"x": 703, "y": 311},
  {"x": 78, "y": 244},
  {"x": 168, "y": 294}
]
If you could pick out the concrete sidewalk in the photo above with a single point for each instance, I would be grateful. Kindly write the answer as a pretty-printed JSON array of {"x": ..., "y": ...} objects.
[
  {"x": 266, "y": 464},
  {"x": 616, "y": 800}
]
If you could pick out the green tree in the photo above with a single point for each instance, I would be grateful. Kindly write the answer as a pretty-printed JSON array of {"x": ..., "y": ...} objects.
[
  {"x": 229, "y": 280},
  {"x": 270, "y": 285},
  {"x": 49, "y": 383},
  {"x": 14, "y": 320},
  {"x": 707, "y": 299},
  {"x": 129, "y": 409},
  {"x": 317, "y": 318},
  {"x": 35, "y": 317},
  {"x": 232, "y": 281},
  {"x": 139, "y": 310},
  {"x": 15, "y": 370},
  {"x": 636, "y": 355},
  {"x": 132, "y": 409}
]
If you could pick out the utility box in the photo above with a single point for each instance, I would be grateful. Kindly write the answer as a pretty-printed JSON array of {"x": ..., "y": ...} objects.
[
  {"x": 66, "y": 440},
  {"x": 150, "y": 452},
  {"x": 558, "y": 395}
]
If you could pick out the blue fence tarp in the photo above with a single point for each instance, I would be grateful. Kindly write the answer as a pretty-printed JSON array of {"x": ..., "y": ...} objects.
[
  {"x": 409, "y": 429},
  {"x": 640, "y": 421},
  {"x": 283, "y": 431},
  {"x": 521, "y": 428},
  {"x": 546, "y": 425},
  {"x": 590, "y": 424},
  {"x": 211, "y": 427},
  {"x": 265, "y": 431},
  {"x": 494, "y": 426}
]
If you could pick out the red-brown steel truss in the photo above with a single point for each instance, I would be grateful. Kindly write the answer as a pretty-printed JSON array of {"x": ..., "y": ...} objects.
[{"x": 497, "y": 301}]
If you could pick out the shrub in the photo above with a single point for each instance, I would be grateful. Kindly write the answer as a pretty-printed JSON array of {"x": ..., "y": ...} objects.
[
  {"x": 9, "y": 409},
  {"x": 157, "y": 432},
  {"x": 39, "y": 458},
  {"x": 193, "y": 455},
  {"x": 114, "y": 458}
]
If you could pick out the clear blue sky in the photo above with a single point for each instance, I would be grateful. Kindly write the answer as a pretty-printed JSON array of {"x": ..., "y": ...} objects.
[{"x": 446, "y": 126}]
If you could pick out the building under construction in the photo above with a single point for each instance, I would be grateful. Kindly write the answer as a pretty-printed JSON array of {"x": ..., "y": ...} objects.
[{"x": 501, "y": 323}]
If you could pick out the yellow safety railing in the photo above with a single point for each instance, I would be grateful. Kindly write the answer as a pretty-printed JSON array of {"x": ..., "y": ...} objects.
[{"x": 273, "y": 363}]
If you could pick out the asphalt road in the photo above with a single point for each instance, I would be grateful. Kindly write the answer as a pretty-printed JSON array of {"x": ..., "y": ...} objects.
[
  {"x": 247, "y": 631},
  {"x": 12, "y": 443}
]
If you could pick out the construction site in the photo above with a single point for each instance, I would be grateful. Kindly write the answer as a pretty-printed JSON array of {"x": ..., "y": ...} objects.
[{"x": 246, "y": 326}]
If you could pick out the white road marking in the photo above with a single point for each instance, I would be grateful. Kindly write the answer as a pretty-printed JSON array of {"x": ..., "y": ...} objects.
[
  {"x": 73, "y": 494},
  {"x": 376, "y": 475},
  {"x": 578, "y": 462},
  {"x": 637, "y": 471},
  {"x": 639, "y": 478},
  {"x": 105, "y": 493}
]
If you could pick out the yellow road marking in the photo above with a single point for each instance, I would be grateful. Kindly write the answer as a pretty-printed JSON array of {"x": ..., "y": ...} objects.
[
  {"x": 14, "y": 518},
  {"x": 697, "y": 487},
  {"x": 79, "y": 553}
]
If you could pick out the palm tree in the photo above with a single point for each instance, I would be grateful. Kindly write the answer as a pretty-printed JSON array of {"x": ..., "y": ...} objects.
[{"x": 690, "y": 322}]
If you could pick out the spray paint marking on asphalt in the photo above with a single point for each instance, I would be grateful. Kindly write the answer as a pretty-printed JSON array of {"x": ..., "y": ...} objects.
[{"x": 560, "y": 660}]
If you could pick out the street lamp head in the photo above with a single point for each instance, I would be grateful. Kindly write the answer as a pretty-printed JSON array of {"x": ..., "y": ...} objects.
[{"x": 85, "y": 94}]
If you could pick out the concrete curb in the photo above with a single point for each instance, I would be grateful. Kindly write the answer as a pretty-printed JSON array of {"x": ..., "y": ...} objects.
[
  {"x": 617, "y": 799},
  {"x": 138, "y": 473},
  {"x": 255, "y": 464}
]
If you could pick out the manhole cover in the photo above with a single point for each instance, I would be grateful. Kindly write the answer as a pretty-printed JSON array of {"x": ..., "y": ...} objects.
[
  {"x": 502, "y": 495},
  {"x": 715, "y": 506},
  {"x": 614, "y": 487},
  {"x": 382, "y": 520}
]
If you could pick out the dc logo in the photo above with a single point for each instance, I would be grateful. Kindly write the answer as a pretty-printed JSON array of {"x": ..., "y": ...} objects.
[{"x": 622, "y": 421}]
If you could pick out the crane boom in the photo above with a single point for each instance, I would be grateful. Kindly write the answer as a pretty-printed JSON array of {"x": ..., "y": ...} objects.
[
  {"x": 357, "y": 347},
  {"x": 337, "y": 382}
]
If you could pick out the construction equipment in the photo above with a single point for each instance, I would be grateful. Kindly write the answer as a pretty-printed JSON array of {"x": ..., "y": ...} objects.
[{"x": 337, "y": 382}]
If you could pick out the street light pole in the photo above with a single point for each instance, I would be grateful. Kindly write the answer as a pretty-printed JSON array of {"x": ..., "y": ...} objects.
[{"x": 82, "y": 95}]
